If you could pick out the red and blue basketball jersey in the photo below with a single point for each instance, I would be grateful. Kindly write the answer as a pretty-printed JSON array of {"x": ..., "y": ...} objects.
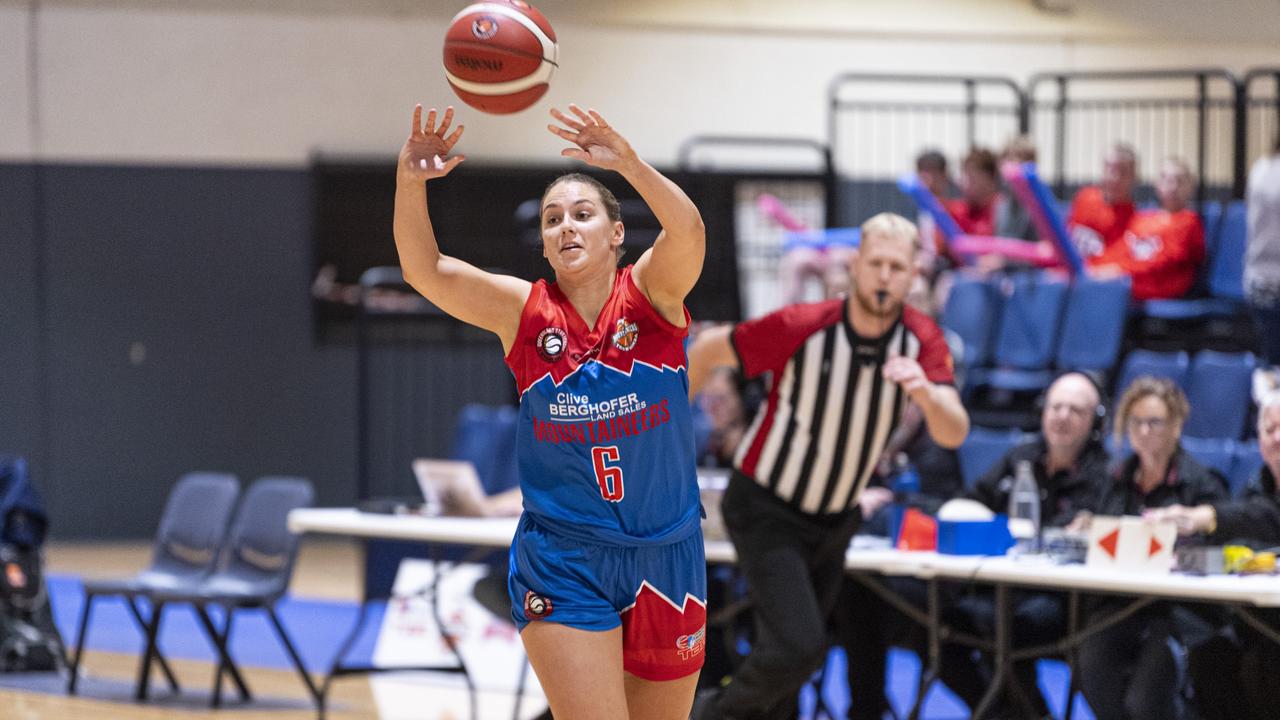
[{"x": 605, "y": 436}]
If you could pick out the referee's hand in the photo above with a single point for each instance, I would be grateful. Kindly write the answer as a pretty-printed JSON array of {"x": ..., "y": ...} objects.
[{"x": 907, "y": 373}]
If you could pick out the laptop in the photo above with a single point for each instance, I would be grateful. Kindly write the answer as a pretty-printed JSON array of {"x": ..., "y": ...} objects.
[{"x": 439, "y": 479}]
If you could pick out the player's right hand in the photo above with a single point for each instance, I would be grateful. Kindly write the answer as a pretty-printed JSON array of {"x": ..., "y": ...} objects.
[{"x": 425, "y": 154}]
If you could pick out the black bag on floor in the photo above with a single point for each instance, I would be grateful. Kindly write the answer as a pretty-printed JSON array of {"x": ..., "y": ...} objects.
[{"x": 29, "y": 640}]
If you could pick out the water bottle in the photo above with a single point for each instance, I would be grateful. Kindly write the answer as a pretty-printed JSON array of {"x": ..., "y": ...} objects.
[
  {"x": 906, "y": 481},
  {"x": 1024, "y": 509}
]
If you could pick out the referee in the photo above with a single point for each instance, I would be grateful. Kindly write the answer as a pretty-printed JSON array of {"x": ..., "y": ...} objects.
[{"x": 841, "y": 373}]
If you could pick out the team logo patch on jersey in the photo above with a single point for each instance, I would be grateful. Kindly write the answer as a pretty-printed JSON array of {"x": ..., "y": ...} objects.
[
  {"x": 536, "y": 607},
  {"x": 689, "y": 645},
  {"x": 484, "y": 27},
  {"x": 626, "y": 335},
  {"x": 550, "y": 343}
]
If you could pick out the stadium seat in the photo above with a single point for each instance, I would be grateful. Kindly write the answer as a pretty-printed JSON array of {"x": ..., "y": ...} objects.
[
  {"x": 1172, "y": 365},
  {"x": 1028, "y": 334},
  {"x": 253, "y": 572},
  {"x": 1226, "y": 267},
  {"x": 1215, "y": 453},
  {"x": 983, "y": 448},
  {"x": 1093, "y": 325},
  {"x": 187, "y": 547},
  {"x": 1244, "y": 466},
  {"x": 971, "y": 312},
  {"x": 1218, "y": 390}
]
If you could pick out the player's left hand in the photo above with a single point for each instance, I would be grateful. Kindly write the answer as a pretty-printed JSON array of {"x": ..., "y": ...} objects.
[
  {"x": 908, "y": 374},
  {"x": 598, "y": 144}
]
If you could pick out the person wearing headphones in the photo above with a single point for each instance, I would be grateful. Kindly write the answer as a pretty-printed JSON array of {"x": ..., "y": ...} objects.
[
  {"x": 841, "y": 373},
  {"x": 1068, "y": 459}
]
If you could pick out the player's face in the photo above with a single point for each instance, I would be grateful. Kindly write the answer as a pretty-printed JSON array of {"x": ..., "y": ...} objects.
[
  {"x": 1269, "y": 436},
  {"x": 884, "y": 263},
  {"x": 1151, "y": 430},
  {"x": 1069, "y": 409},
  {"x": 577, "y": 233}
]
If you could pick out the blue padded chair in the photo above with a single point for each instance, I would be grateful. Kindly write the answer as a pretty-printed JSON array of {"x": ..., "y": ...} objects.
[
  {"x": 1093, "y": 325},
  {"x": 1028, "y": 336},
  {"x": 973, "y": 312},
  {"x": 1218, "y": 391},
  {"x": 1215, "y": 453},
  {"x": 1172, "y": 365},
  {"x": 485, "y": 436},
  {"x": 1226, "y": 267},
  {"x": 187, "y": 544},
  {"x": 983, "y": 448},
  {"x": 254, "y": 570},
  {"x": 1245, "y": 464}
]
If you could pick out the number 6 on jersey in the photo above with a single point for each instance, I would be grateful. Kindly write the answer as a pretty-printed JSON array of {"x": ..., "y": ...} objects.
[{"x": 608, "y": 477}]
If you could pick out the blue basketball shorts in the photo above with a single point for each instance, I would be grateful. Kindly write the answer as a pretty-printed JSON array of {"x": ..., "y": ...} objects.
[{"x": 657, "y": 593}]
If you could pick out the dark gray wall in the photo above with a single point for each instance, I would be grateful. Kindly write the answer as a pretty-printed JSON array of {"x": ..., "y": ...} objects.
[{"x": 176, "y": 334}]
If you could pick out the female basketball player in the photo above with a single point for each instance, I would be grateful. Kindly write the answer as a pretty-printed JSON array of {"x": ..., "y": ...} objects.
[{"x": 607, "y": 570}]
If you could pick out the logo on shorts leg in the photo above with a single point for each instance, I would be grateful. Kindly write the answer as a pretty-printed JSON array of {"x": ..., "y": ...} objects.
[
  {"x": 536, "y": 607},
  {"x": 689, "y": 645}
]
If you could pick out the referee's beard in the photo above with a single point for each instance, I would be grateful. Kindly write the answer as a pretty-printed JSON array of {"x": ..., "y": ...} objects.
[{"x": 888, "y": 310}]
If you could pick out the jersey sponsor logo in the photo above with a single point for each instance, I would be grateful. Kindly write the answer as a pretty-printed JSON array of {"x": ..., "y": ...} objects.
[
  {"x": 605, "y": 429},
  {"x": 551, "y": 343},
  {"x": 484, "y": 27},
  {"x": 536, "y": 607},
  {"x": 624, "y": 338}
]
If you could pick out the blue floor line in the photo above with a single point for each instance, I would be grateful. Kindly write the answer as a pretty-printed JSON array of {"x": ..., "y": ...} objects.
[{"x": 317, "y": 627}]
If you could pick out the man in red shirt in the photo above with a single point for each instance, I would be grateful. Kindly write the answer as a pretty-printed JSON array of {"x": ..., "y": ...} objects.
[
  {"x": 1100, "y": 213},
  {"x": 1161, "y": 249}
]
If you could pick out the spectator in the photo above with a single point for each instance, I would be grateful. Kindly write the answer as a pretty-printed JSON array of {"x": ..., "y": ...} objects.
[
  {"x": 1129, "y": 670},
  {"x": 1162, "y": 250},
  {"x": 1100, "y": 213},
  {"x": 721, "y": 404},
  {"x": 931, "y": 169},
  {"x": 1262, "y": 259},
  {"x": 975, "y": 210},
  {"x": 1012, "y": 219},
  {"x": 1232, "y": 676},
  {"x": 1067, "y": 458}
]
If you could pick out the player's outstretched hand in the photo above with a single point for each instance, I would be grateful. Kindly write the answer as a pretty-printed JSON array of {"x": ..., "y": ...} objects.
[
  {"x": 425, "y": 154},
  {"x": 596, "y": 142}
]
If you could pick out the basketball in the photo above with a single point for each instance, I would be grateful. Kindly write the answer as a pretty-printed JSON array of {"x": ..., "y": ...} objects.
[{"x": 499, "y": 55}]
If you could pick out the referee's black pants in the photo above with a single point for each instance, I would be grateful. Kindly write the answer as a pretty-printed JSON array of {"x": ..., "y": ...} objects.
[{"x": 793, "y": 563}]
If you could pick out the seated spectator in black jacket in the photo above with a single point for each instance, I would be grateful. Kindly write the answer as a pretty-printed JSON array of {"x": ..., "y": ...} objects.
[
  {"x": 1130, "y": 670},
  {"x": 1233, "y": 676},
  {"x": 1068, "y": 460}
]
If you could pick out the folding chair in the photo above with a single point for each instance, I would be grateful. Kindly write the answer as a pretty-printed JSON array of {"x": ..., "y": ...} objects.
[
  {"x": 187, "y": 542},
  {"x": 254, "y": 572},
  {"x": 1218, "y": 391},
  {"x": 1093, "y": 325}
]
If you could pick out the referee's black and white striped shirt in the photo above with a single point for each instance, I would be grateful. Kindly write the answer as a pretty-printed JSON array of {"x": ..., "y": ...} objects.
[{"x": 816, "y": 440}]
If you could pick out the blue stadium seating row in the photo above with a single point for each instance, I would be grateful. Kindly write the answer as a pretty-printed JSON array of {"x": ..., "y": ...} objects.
[
  {"x": 1237, "y": 461},
  {"x": 1217, "y": 386},
  {"x": 1017, "y": 330}
]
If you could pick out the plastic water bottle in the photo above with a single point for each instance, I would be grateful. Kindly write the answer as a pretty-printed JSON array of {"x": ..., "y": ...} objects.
[
  {"x": 1024, "y": 509},
  {"x": 906, "y": 480}
]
